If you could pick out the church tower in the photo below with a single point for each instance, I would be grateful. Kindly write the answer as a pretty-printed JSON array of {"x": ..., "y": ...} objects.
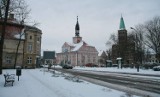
[
  {"x": 122, "y": 33},
  {"x": 77, "y": 37},
  {"x": 122, "y": 39},
  {"x": 124, "y": 49}
]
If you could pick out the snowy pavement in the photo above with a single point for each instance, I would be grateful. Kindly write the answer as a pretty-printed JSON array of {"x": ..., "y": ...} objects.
[
  {"x": 37, "y": 83},
  {"x": 123, "y": 70}
]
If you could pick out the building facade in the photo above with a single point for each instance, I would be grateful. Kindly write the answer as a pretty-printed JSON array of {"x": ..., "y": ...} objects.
[
  {"x": 102, "y": 58},
  {"x": 78, "y": 53},
  {"x": 23, "y": 41},
  {"x": 124, "y": 49}
]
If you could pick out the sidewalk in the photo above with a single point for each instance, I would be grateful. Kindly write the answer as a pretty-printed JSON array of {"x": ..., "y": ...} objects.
[{"x": 37, "y": 83}]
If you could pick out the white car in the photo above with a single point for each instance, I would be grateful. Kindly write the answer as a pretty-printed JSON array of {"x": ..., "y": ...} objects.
[{"x": 156, "y": 68}]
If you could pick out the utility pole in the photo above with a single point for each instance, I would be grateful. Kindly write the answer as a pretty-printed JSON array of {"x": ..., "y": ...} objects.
[{"x": 3, "y": 34}]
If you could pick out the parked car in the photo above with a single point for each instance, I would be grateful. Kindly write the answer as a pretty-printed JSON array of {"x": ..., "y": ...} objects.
[
  {"x": 150, "y": 65},
  {"x": 114, "y": 65},
  {"x": 67, "y": 67},
  {"x": 156, "y": 68},
  {"x": 91, "y": 65}
]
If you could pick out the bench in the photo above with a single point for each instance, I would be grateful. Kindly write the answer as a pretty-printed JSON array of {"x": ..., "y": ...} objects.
[{"x": 9, "y": 79}]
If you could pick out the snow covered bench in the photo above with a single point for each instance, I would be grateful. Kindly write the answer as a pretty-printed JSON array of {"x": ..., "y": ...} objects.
[{"x": 9, "y": 79}]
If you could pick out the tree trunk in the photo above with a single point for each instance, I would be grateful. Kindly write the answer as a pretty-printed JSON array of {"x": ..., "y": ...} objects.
[
  {"x": 15, "y": 62},
  {"x": 2, "y": 35}
]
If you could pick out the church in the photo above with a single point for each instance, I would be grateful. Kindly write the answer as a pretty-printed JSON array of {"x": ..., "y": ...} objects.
[
  {"x": 124, "y": 49},
  {"x": 77, "y": 53}
]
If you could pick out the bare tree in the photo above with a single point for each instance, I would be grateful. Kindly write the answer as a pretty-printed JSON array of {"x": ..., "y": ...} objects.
[
  {"x": 17, "y": 7},
  {"x": 21, "y": 13},
  {"x": 112, "y": 40},
  {"x": 139, "y": 41},
  {"x": 131, "y": 37},
  {"x": 3, "y": 34},
  {"x": 153, "y": 35},
  {"x": 18, "y": 44},
  {"x": 109, "y": 53}
]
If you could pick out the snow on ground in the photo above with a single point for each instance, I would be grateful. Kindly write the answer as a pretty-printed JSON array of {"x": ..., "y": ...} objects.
[
  {"x": 38, "y": 83},
  {"x": 124, "y": 70}
]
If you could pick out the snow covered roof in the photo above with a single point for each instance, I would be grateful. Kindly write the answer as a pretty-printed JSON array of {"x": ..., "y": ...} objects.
[
  {"x": 74, "y": 47},
  {"x": 100, "y": 52},
  {"x": 77, "y": 46},
  {"x": 20, "y": 35},
  {"x": 70, "y": 44},
  {"x": 17, "y": 36}
]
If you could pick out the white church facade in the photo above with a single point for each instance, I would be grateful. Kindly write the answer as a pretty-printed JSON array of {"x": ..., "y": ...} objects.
[{"x": 78, "y": 53}]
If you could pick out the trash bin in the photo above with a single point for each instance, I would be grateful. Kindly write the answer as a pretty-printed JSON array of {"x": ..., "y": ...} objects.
[{"x": 18, "y": 71}]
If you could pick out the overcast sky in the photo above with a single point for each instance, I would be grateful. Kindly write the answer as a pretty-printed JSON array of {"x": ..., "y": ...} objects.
[{"x": 97, "y": 19}]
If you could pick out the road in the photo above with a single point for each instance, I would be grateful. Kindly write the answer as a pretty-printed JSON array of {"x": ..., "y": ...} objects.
[{"x": 148, "y": 83}]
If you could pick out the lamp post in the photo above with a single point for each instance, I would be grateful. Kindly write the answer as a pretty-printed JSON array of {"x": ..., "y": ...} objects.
[{"x": 138, "y": 51}]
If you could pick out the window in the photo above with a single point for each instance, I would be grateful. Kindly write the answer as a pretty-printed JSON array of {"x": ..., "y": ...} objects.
[
  {"x": 38, "y": 48},
  {"x": 29, "y": 60},
  {"x": 30, "y": 47},
  {"x": 88, "y": 58},
  {"x": 38, "y": 38},
  {"x": 8, "y": 60},
  {"x": 94, "y": 59},
  {"x": 30, "y": 37}
]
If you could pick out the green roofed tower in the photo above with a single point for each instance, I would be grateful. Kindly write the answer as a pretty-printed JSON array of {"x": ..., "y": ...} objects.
[
  {"x": 123, "y": 49},
  {"x": 122, "y": 25}
]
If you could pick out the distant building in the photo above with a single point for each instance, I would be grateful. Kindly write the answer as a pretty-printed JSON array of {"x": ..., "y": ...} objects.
[
  {"x": 78, "y": 53},
  {"x": 123, "y": 49},
  {"x": 49, "y": 57},
  {"x": 152, "y": 59},
  {"x": 29, "y": 51},
  {"x": 102, "y": 58}
]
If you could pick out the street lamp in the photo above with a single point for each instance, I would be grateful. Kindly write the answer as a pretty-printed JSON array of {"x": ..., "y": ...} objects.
[{"x": 137, "y": 49}]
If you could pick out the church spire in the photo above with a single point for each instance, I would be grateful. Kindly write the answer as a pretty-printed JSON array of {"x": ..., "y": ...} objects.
[
  {"x": 77, "y": 28},
  {"x": 122, "y": 25},
  {"x": 77, "y": 37}
]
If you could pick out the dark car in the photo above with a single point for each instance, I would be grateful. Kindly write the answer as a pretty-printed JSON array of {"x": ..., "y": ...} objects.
[
  {"x": 156, "y": 68},
  {"x": 91, "y": 65},
  {"x": 67, "y": 67}
]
